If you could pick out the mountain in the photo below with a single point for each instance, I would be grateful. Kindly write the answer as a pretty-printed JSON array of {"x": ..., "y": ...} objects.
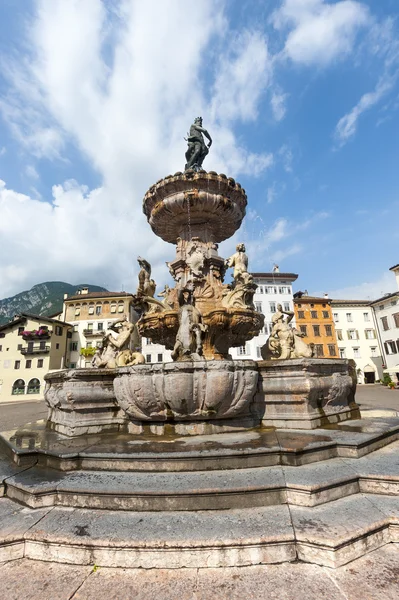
[{"x": 43, "y": 299}]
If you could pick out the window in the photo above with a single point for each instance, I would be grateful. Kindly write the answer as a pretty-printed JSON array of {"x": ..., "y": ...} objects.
[
  {"x": 390, "y": 348},
  {"x": 373, "y": 351},
  {"x": 42, "y": 345},
  {"x": 301, "y": 314},
  {"x": 396, "y": 319},
  {"x": 75, "y": 328},
  {"x": 393, "y": 302},
  {"x": 332, "y": 350},
  {"x": 349, "y": 317},
  {"x": 2, "y": 335},
  {"x": 160, "y": 357},
  {"x": 370, "y": 334},
  {"x": 259, "y": 289},
  {"x": 1, "y": 348},
  {"x": 299, "y": 305},
  {"x": 384, "y": 321},
  {"x": 113, "y": 308},
  {"x": 352, "y": 334},
  {"x": 33, "y": 386},
  {"x": 72, "y": 365},
  {"x": 316, "y": 330},
  {"x": 313, "y": 314},
  {"x": 17, "y": 364},
  {"x": 342, "y": 353},
  {"x": 148, "y": 358},
  {"x": 328, "y": 330},
  {"x": 318, "y": 349},
  {"x": 339, "y": 334},
  {"x": 356, "y": 352},
  {"x": 57, "y": 346},
  {"x": 272, "y": 307},
  {"x": 89, "y": 344},
  {"x": 28, "y": 364},
  {"x": 19, "y": 347},
  {"x": 303, "y": 329},
  {"x": 242, "y": 350},
  {"x": 120, "y": 307},
  {"x": 58, "y": 330},
  {"x": 325, "y": 314},
  {"x": 287, "y": 306},
  {"x": 73, "y": 346},
  {"x": 382, "y": 306},
  {"x": 98, "y": 309},
  {"x": 77, "y": 311},
  {"x": 39, "y": 363},
  {"x": 366, "y": 317},
  {"x": 336, "y": 317},
  {"x": 258, "y": 354},
  {"x": 100, "y": 326},
  {"x": 258, "y": 307},
  {"x": 148, "y": 341},
  {"x": 271, "y": 289},
  {"x": 284, "y": 290},
  {"x": 18, "y": 387}
]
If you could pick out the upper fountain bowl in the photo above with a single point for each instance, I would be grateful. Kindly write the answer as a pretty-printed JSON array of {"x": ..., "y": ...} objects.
[{"x": 206, "y": 205}]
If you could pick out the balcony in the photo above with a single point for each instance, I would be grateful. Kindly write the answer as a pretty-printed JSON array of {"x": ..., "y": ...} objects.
[
  {"x": 36, "y": 350},
  {"x": 92, "y": 332},
  {"x": 39, "y": 334}
]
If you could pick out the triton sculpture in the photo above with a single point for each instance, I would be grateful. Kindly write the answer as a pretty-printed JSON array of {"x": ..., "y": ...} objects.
[{"x": 197, "y": 149}]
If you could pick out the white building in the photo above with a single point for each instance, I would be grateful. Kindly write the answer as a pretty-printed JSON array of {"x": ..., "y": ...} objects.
[
  {"x": 273, "y": 289},
  {"x": 154, "y": 353},
  {"x": 386, "y": 311},
  {"x": 357, "y": 337}
]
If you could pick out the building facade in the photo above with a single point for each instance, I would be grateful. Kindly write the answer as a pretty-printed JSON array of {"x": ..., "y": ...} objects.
[
  {"x": 30, "y": 347},
  {"x": 386, "y": 311},
  {"x": 91, "y": 314},
  {"x": 357, "y": 337},
  {"x": 273, "y": 289},
  {"x": 315, "y": 321}
]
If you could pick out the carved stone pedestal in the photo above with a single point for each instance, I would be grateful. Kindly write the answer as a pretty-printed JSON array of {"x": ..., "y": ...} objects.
[{"x": 305, "y": 393}]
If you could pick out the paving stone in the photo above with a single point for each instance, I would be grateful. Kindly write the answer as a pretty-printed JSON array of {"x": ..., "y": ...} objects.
[
  {"x": 32, "y": 580},
  {"x": 371, "y": 577},
  {"x": 138, "y": 584}
]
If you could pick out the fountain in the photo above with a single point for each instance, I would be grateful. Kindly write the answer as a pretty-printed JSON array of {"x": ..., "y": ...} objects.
[{"x": 164, "y": 453}]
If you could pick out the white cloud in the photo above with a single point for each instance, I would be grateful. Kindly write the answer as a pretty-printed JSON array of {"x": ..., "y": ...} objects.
[
  {"x": 278, "y": 103},
  {"x": 287, "y": 157},
  {"x": 31, "y": 172},
  {"x": 123, "y": 88},
  {"x": 271, "y": 193},
  {"x": 370, "y": 290},
  {"x": 347, "y": 125},
  {"x": 320, "y": 32}
]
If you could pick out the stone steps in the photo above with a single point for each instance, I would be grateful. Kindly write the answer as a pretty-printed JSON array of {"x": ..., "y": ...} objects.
[
  {"x": 331, "y": 535},
  {"x": 307, "y": 485}
]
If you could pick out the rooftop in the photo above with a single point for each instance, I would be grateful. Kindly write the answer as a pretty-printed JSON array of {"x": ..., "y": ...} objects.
[
  {"x": 98, "y": 295},
  {"x": 337, "y": 302},
  {"x": 277, "y": 275},
  {"x": 385, "y": 297},
  {"x": 303, "y": 297},
  {"x": 21, "y": 318}
]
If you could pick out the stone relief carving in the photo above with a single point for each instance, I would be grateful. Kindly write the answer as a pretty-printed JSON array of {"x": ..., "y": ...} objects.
[
  {"x": 188, "y": 345},
  {"x": 285, "y": 341}
]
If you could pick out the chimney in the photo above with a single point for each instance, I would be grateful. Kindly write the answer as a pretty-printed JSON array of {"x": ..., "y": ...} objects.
[
  {"x": 395, "y": 270},
  {"x": 326, "y": 296},
  {"x": 276, "y": 269},
  {"x": 85, "y": 290},
  {"x": 65, "y": 296}
]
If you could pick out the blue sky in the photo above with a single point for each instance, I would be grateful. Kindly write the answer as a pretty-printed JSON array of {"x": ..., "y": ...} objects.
[{"x": 301, "y": 98}]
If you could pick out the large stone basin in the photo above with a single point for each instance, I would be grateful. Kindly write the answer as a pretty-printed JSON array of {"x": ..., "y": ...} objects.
[{"x": 187, "y": 391}]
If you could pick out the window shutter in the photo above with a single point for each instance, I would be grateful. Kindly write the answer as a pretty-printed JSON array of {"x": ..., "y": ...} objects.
[
  {"x": 397, "y": 344},
  {"x": 386, "y": 348},
  {"x": 365, "y": 333},
  {"x": 357, "y": 334},
  {"x": 374, "y": 335}
]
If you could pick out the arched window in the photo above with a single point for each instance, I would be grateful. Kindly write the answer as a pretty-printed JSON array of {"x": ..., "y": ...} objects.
[
  {"x": 34, "y": 386},
  {"x": 18, "y": 387},
  {"x": 121, "y": 306}
]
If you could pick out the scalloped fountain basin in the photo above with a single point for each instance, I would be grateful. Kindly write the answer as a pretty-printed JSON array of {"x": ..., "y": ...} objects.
[{"x": 187, "y": 391}]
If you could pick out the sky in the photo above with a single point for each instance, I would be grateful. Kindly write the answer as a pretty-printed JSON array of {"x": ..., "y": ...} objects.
[{"x": 301, "y": 98}]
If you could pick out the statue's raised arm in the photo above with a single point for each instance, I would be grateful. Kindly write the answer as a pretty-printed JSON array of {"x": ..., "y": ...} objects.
[{"x": 197, "y": 149}]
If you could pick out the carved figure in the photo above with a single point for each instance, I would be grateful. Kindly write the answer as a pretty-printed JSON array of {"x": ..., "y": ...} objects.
[
  {"x": 197, "y": 149},
  {"x": 188, "y": 345},
  {"x": 285, "y": 341},
  {"x": 195, "y": 259},
  {"x": 239, "y": 295},
  {"x": 147, "y": 285},
  {"x": 239, "y": 261},
  {"x": 167, "y": 302},
  {"x": 115, "y": 348}
]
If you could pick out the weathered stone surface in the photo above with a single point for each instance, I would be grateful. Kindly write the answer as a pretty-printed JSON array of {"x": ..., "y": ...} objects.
[
  {"x": 199, "y": 390},
  {"x": 32, "y": 580},
  {"x": 82, "y": 401},
  {"x": 216, "y": 204},
  {"x": 305, "y": 393},
  {"x": 15, "y": 520}
]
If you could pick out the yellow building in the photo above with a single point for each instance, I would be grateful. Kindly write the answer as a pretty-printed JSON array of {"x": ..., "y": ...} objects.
[
  {"x": 314, "y": 319},
  {"x": 30, "y": 347}
]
